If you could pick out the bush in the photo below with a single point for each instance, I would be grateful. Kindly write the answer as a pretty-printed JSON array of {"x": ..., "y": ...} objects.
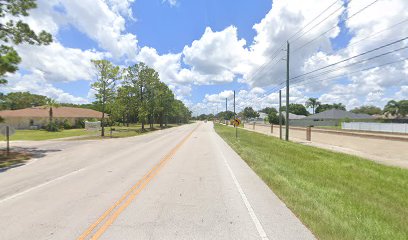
[
  {"x": 53, "y": 127},
  {"x": 66, "y": 124},
  {"x": 1, "y": 119},
  {"x": 273, "y": 118}
]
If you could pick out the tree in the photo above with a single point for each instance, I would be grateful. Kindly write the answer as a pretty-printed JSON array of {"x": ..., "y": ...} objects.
[
  {"x": 312, "y": 103},
  {"x": 20, "y": 100},
  {"x": 51, "y": 105},
  {"x": 268, "y": 110},
  {"x": 325, "y": 107},
  {"x": 226, "y": 115},
  {"x": 105, "y": 85},
  {"x": 16, "y": 32},
  {"x": 397, "y": 109},
  {"x": 249, "y": 112},
  {"x": 297, "y": 109},
  {"x": 273, "y": 118},
  {"x": 370, "y": 110}
]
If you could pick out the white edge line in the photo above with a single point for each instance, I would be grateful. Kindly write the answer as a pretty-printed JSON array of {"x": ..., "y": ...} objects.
[
  {"x": 251, "y": 211},
  {"x": 39, "y": 186}
]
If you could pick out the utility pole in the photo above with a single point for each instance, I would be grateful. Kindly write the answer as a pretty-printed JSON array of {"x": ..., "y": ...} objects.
[
  {"x": 236, "y": 127},
  {"x": 226, "y": 109},
  {"x": 280, "y": 114},
  {"x": 287, "y": 92}
]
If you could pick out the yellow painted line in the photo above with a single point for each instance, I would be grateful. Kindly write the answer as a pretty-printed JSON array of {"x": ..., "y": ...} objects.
[{"x": 130, "y": 195}]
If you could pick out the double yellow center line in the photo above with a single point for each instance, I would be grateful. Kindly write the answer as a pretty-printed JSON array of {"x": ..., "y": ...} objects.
[{"x": 110, "y": 215}]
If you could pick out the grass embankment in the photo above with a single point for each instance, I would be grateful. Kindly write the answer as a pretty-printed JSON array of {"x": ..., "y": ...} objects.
[
  {"x": 12, "y": 159},
  {"x": 37, "y": 135},
  {"x": 131, "y": 131},
  {"x": 120, "y": 132},
  {"x": 338, "y": 196}
]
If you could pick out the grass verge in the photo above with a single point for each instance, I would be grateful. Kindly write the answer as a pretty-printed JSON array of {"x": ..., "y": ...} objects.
[
  {"x": 120, "y": 132},
  {"x": 38, "y": 135},
  {"x": 12, "y": 159},
  {"x": 338, "y": 196}
]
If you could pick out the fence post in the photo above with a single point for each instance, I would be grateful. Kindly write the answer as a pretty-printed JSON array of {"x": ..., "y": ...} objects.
[
  {"x": 309, "y": 133},
  {"x": 271, "y": 128}
]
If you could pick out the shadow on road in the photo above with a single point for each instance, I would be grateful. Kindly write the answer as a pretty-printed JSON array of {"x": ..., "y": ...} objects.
[{"x": 19, "y": 156}]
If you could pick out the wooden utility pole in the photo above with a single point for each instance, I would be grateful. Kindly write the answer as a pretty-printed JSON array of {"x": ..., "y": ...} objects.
[
  {"x": 287, "y": 92},
  {"x": 236, "y": 127},
  {"x": 280, "y": 114}
]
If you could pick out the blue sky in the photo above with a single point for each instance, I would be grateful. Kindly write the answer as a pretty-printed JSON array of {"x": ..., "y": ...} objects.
[
  {"x": 169, "y": 28},
  {"x": 205, "y": 49}
]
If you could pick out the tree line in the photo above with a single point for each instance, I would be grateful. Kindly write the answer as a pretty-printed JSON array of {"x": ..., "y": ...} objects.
[
  {"x": 396, "y": 109},
  {"x": 135, "y": 94}
]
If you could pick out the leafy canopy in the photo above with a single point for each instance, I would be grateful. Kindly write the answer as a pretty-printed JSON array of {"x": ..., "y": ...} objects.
[
  {"x": 370, "y": 110},
  {"x": 296, "y": 108},
  {"x": 14, "y": 31},
  {"x": 325, "y": 107}
]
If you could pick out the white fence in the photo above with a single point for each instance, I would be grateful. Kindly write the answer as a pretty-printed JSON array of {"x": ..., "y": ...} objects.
[{"x": 376, "y": 127}]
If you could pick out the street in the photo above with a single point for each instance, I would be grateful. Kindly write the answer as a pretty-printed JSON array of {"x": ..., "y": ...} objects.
[{"x": 179, "y": 183}]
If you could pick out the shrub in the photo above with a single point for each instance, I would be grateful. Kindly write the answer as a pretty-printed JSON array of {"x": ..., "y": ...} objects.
[
  {"x": 66, "y": 124},
  {"x": 53, "y": 127}
]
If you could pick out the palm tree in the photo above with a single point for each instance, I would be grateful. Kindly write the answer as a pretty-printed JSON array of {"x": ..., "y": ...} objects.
[
  {"x": 51, "y": 104},
  {"x": 313, "y": 103}
]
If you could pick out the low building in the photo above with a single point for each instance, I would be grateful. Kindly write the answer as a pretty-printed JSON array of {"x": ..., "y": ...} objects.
[
  {"x": 38, "y": 117},
  {"x": 332, "y": 117}
]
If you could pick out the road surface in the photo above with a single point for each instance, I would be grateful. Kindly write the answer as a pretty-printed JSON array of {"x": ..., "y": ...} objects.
[{"x": 179, "y": 183}]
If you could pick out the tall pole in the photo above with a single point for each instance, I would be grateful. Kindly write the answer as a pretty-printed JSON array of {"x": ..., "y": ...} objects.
[
  {"x": 226, "y": 109},
  {"x": 234, "y": 103},
  {"x": 287, "y": 92},
  {"x": 236, "y": 127},
  {"x": 280, "y": 114},
  {"x": 8, "y": 140}
]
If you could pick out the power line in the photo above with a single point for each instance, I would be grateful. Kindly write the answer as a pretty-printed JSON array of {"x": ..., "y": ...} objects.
[
  {"x": 331, "y": 14},
  {"x": 275, "y": 53},
  {"x": 350, "y": 73},
  {"x": 342, "y": 21},
  {"x": 355, "y": 56},
  {"x": 356, "y": 63}
]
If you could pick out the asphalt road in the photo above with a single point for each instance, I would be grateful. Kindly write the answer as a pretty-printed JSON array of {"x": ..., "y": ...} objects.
[{"x": 179, "y": 183}]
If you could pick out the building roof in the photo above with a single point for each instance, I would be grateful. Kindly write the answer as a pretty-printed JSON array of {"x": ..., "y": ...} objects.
[
  {"x": 338, "y": 114},
  {"x": 292, "y": 116},
  {"x": 60, "y": 112}
]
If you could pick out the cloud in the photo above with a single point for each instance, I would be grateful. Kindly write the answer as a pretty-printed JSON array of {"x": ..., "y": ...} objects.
[
  {"x": 218, "y": 54},
  {"x": 36, "y": 83},
  {"x": 171, "y": 2},
  {"x": 102, "y": 24},
  {"x": 59, "y": 63}
]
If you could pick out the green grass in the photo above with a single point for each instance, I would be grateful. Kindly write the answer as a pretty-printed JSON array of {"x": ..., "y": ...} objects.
[
  {"x": 12, "y": 159},
  {"x": 120, "y": 132},
  {"x": 337, "y": 196},
  {"x": 124, "y": 131},
  {"x": 37, "y": 135}
]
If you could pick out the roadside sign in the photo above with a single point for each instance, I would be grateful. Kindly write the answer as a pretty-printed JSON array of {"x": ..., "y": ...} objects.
[
  {"x": 3, "y": 130},
  {"x": 7, "y": 131},
  {"x": 236, "y": 122}
]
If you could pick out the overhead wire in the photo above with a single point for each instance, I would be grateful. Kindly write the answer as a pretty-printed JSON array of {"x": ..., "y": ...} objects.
[
  {"x": 275, "y": 53},
  {"x": 350, "y": 73},
  {"x": 355, "y": 56},
  {"x": 336, "y": 25}
]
